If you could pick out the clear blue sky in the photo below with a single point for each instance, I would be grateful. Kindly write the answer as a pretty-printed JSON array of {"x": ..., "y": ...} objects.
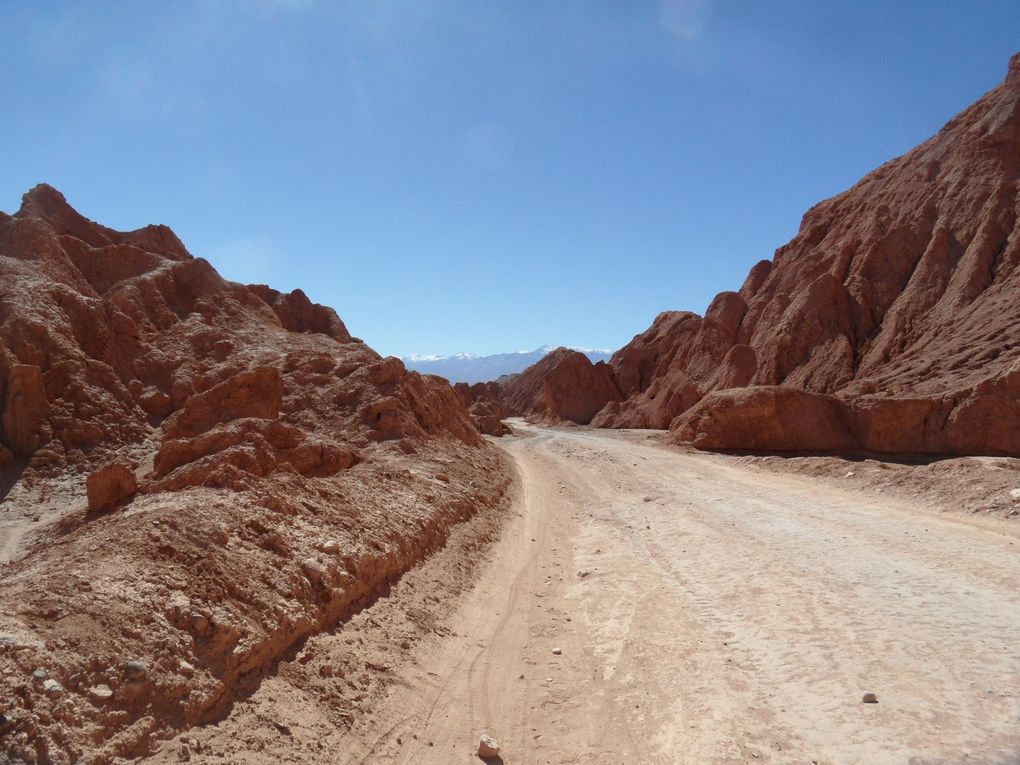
[{"x": 480, "y": 176}]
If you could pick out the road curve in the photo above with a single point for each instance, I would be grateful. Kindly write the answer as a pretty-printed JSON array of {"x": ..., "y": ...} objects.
[{"x": 646, "y": 605}]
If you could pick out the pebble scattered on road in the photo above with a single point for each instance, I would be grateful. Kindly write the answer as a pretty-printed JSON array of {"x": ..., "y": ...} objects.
[{"x": 488, "y": 746}]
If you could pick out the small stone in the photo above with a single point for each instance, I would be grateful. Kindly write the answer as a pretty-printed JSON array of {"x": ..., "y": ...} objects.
[
  {"x": 52, "y": 688},
  {"x": 313, "y": 570},
  {"x": 851, "y": 474},
  {"x": 330, "y": 546},
  {"x": 1015, "y": 493},
  {"x": 39, "y": 675},
  {"x": 869, "y": 698},
  {"x": 557, "y": 651},
  {"x": 100, "y": 692},
  {"x": 135, "y": 670},
  {"x": 186, "y": 668},
  {"x": 488, "y": 746},
  {"x": 8, "y": 641}
]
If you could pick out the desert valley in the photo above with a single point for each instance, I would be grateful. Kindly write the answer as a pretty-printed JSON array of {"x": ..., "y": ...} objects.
[{"x": 786, "y": 531}]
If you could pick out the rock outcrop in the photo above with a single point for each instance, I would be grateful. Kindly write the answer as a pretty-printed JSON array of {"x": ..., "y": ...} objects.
[
  {"x": 484, "y": 403},
  {"x": 563, "y": 386},
  {"x": 890, "y": 323},
  {"x": 259, "y": 428}
]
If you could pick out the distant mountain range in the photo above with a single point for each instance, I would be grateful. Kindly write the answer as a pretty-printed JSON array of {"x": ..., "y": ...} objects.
[{"x": 472, "y": 368}]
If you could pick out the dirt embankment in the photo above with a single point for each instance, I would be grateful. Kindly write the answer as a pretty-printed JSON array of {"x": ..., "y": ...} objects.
[
  {"x": 974, "y": 486},
  {"x": 979, "y": 486},
  {"x": 161, "y": 616}
]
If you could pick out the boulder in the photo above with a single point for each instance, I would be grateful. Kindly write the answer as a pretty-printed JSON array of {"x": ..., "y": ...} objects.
[
  {"x": 110, "y": 485},
  {"x": 765, "y": 418}
]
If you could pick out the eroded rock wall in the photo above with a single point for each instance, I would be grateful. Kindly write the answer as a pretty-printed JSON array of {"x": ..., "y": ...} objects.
[
  {"x": 897, "y": 305},
  {"x": 563, "y": 386},
  {"x": 226, "y": 470}
]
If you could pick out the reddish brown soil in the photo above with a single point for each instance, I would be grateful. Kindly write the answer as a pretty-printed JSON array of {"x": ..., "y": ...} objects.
[
  {"x": 202, "y": 479},
  {"x": 897, "y": 305}
]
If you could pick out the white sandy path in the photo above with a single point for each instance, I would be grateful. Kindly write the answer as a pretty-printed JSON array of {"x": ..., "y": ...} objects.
[{"x": 707, "y": 614}]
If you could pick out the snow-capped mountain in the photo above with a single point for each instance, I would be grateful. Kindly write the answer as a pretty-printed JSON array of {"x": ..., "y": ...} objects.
[{"x": 472, "y": 368}]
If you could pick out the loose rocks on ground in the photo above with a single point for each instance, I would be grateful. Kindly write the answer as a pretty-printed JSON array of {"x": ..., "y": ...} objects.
[{"x": 488, "y": 746}]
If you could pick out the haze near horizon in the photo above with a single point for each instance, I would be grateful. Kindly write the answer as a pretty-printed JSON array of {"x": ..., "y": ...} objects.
[{"x": 472, "y": 177}]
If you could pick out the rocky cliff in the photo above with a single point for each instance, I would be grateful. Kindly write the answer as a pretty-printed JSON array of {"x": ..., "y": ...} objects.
[
  {"x": 196, "y": 475},
  {"x": 484, "y": 403},
  {"x": 564, "y": 385},
  {"x": 890, "y": 323}
]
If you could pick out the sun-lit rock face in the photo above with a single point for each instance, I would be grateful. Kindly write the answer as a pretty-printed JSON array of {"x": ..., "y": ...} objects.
[
  {"x": 897, "y": 305},
  {"x": 202, "y": 473},
  {"x": 563, "y": 386},
  {"x": 484, "y": 404},
  {"x": 101, "y": 331}
]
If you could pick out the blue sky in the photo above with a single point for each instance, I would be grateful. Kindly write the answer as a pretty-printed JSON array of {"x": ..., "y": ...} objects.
[{"x": 480, "y": 176}]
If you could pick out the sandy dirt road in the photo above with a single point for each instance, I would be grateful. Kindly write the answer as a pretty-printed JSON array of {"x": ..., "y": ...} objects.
[{"x": 705, "y": 614}]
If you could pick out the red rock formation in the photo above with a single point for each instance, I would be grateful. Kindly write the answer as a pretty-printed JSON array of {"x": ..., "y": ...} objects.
[
  {"x": 260, "y": 426},
  {"x": 768, "y": 418},
  {"x": 564, "y": 385},
  {"x": 483, "y": 401},
  {"x": 897, "y": 304}
]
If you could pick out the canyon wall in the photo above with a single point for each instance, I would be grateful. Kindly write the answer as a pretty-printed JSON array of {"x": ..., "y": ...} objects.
[
  {"x": 890, "y": 323},
  {"x": 196, "y": 474}
]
